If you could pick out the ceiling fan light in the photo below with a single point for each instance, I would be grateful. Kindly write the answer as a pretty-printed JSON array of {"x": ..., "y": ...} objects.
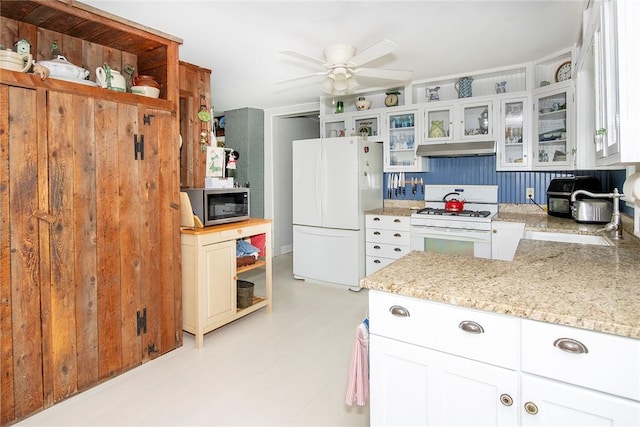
[
  {"x": 327, "y": 85},
  {"x": 340, "y": 83},
  {"x": 351, "y": 84}
]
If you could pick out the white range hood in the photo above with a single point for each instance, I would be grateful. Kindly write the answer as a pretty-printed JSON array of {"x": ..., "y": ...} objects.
[{"x": 457, "y": 149}]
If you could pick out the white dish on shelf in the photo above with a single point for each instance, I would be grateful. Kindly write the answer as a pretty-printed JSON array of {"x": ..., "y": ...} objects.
[
  {"x": 82, "y": 82},
  {"x": 148, "y": 91}
]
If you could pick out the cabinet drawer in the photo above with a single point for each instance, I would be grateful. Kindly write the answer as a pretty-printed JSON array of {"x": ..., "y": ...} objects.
[
  {"x": 240, "y": 231},
  {"x": 374, "y": 264},
  {"x": 386, "y": 250},
  {"x": 388, "y": 222},
  {"x": 611, "y": 363},
  {"x": 394, "y": 237},
  {"x": 446, "y": 328}
]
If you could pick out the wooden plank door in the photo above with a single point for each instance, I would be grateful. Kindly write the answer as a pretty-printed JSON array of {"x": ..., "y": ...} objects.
[
  {"x": 72, "y": 307},
  {"x": 22, "y": 252},
  {"x": 160, "y": 288}
]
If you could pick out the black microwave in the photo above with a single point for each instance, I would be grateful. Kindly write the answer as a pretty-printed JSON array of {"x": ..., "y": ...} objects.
[{"x": 219, "y": 205}]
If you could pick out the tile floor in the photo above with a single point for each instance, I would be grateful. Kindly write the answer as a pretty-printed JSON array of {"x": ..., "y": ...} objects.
[{"x": 287, "y": 369}]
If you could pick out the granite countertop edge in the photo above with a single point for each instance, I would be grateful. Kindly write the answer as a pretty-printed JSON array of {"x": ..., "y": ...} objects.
[{"x": 584, "y": 286}]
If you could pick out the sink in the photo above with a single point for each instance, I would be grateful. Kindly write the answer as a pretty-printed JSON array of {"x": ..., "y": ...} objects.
[{"x": 584, "y": 239}]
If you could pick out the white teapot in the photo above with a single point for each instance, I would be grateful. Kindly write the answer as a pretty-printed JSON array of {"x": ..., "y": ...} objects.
[{"x": 109, "y": 78}]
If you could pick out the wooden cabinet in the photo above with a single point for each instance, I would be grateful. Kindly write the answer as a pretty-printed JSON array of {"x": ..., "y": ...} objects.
[
  {"x": 387, "y": 239},
  {"x": 90, "y": 266},
  {"x": 209, "y": 275},
  {"x": 438, "y": 364},
  {"x": 98, "y": 238},
  {"x": 195, "y": 95}
]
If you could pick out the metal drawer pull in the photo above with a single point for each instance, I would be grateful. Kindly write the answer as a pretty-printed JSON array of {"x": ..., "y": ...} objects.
[
  {"x": 376, "y": 261},
  {"x": 396, "y": 220},
  {"x": 399, "y": 311},
  {"x": 506, "y": 400},
  {"x": 376, "y": 247},
  {"x": 376, "y": 233},
  {"x": 397, "y": 249},
  {"x": 397, "y": 235},
  {"x": 376, "y": 219},
  {"x": 471, "y": 327},
  {"x": 531, "y": 408},
  {"x": 570, "y": 345}
]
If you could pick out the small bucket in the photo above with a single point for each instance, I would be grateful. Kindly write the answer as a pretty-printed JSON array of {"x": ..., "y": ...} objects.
[{"x": 245, "y": 294}]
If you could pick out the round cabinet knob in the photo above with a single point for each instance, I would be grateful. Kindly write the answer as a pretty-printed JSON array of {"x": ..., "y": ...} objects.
[
  {"x": 506, "y": 400},
  {"x": 531, "y": 408}
]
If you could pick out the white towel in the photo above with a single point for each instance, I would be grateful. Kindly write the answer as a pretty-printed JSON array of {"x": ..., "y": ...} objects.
[{"x": 358, "y": 379}]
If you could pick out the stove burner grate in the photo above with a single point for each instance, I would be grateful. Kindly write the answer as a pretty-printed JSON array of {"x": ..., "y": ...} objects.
[{"x": 464, "y": 213}]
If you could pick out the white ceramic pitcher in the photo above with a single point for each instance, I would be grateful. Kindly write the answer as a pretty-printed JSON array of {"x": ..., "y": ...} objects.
[{"x": 109, "y": 78}]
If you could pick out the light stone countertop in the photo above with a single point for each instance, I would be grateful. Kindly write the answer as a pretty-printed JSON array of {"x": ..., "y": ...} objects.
[{"x": 584, "y": 286}]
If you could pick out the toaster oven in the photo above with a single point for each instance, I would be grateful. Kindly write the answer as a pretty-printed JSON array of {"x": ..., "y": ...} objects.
[{"x": 560, "y": 189}]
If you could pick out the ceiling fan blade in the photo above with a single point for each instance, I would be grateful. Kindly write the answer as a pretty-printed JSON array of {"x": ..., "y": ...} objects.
[
  {"x": 305, "y": 76},
  {"x": 304, "y": 57},
  {"x": 376, "y": 73},
  {"x": 381, "y": 48}
]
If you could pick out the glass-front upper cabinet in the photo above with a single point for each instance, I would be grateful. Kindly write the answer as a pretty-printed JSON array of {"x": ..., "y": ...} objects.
[
  {"x": 476, "y": 121},
  {"x": 402, "y": 131},
  {"x": 553, "y": 137},
  {"x": 438, "y": 123},
  {"x": 365, "y": 125},
  {"x": 458, "y": 122},
  {"x": 333, "y": 126},
  {"x": 513, "y": 136}
]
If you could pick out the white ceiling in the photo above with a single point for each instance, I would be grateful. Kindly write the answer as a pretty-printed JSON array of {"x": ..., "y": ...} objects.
[{"x": 240, "y": 40}]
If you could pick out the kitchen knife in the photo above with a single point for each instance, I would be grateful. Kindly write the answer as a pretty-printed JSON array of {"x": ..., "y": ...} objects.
[
  {"x": 389, "y": 186},
  {"x": 421, "y": 185},
  {"x": 414, "y": 183},
  {"x": 395, "y": 184},
  {"x": 402, "y": 183}
]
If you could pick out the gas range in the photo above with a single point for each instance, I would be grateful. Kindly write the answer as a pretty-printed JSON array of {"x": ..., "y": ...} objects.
[
  {"x": 480, "y": 206},
  {"x": 467, "y": 232}
]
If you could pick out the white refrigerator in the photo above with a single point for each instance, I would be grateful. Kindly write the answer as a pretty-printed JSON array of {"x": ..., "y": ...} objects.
[{"x": 335, "y": 180}]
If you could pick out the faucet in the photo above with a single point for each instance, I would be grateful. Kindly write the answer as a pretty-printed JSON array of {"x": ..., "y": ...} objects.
[{"x": 614, "y": 225}]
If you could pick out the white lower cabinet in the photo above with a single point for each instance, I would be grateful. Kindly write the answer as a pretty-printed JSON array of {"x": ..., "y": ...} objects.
[
  {"x": 416, "y": 386},
  {"x": 505, "y": 237},
  {"x": 431, "y": 365},
  {"x": 552, "y": 403},
  {"x": 387, "y": 239}
]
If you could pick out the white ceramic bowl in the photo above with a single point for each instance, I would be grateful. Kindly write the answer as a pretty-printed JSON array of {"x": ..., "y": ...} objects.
[
  {"x": 14, "y": 61},
  {"x": 363, "y": 104},
  {"x": 149, "y": 91}
]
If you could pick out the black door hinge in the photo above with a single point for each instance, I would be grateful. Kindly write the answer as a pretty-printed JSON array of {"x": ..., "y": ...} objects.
[
  {"x": 138, "y": 147},
  {"x": 141, "y": 321},
  {"x": 146, "y": 119},
  {"x": 151, "y": 348}
]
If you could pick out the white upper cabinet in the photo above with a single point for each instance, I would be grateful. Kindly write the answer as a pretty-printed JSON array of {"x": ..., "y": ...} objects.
[
  {"x": 553, "y": 127},
  {"x": 513, "y": 135},
  {"x": 608, "y": 85}
]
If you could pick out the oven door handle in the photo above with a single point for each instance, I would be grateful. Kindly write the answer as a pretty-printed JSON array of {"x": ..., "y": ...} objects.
[{"x": 423, "y": 232}]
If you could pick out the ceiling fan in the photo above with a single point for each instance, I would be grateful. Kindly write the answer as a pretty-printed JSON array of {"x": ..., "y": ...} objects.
[{"x": 343, "y": 62}]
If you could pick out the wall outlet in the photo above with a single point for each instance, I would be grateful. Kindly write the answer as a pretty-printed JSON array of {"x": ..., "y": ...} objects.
[{"x": 530, "y": 194}]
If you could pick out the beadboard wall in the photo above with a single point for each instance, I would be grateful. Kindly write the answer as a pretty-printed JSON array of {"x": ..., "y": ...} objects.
[{"x": 481, "y": 170}]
